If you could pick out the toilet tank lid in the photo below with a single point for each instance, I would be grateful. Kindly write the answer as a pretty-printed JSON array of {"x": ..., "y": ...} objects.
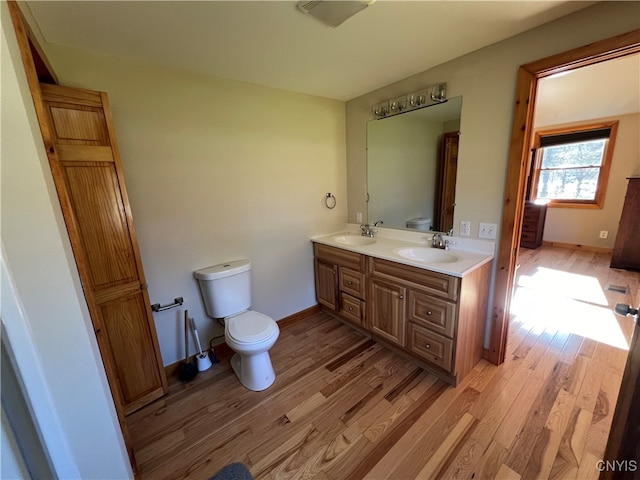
[{"x": 223, "y": 270}]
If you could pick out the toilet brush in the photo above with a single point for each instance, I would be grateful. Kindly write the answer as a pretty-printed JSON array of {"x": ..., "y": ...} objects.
[
  {"x": 202, "y": 359},
  {"x": 188, "y": 370}
]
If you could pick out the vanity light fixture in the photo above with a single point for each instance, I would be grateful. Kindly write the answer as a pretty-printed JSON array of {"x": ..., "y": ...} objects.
[{"x": 431, "y": 95}]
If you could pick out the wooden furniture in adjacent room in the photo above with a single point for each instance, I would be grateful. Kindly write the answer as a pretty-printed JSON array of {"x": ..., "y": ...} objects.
[
  {"x": 436, "y": 320},
  {"x": 626, "y": 250},
  {"x": 533, "y": 225}
]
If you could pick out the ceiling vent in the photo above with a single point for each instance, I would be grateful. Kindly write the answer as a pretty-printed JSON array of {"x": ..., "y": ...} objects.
[{"x": 332, "y": 12}]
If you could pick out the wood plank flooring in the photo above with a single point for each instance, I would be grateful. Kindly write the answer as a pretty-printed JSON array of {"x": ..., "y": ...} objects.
[{"x": 343, "y": 407}]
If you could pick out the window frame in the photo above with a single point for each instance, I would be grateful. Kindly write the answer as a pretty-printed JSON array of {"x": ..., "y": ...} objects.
[{"x": 605, "y": 167}]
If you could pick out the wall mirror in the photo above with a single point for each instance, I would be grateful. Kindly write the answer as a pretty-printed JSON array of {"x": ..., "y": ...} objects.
[{"x": 411, "y": 167}]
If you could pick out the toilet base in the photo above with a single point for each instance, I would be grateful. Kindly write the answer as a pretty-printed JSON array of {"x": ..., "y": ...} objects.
[{"x": 255, "y": 372}]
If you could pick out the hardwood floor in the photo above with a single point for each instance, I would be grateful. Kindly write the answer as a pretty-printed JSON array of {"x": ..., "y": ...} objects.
[{"x": 343, "y": 407}]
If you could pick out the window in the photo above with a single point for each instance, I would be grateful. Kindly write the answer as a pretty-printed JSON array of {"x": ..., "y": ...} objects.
[{"x": 571, "y": 166}]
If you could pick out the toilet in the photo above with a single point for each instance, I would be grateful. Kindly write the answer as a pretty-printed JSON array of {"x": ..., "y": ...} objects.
[
  {"x": 419, "y": 224},
  {"x": 226, "y": 290}
]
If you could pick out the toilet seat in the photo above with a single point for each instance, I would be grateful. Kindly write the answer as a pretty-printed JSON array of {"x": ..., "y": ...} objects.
[{"x": 250, "y": 327}]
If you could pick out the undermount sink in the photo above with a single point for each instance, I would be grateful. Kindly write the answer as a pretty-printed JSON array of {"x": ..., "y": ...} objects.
[
  {"x": 426, "y": 254},
  {"x": 354, "y": 240}
]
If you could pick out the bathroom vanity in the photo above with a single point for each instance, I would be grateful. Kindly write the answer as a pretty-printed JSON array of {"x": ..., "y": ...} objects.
[{"x": 426, "y": 304}]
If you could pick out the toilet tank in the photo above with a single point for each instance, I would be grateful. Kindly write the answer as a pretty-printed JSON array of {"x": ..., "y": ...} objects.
[
  {"x": 419, "y": 223},
  {"x": 226, "y": 288}
]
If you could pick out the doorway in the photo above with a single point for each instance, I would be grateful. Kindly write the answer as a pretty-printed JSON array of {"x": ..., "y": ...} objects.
[{"x": 528, "y": 77}]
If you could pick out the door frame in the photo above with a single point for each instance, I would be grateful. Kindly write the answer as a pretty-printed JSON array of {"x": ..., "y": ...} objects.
[{"x": 518, "y": 166}]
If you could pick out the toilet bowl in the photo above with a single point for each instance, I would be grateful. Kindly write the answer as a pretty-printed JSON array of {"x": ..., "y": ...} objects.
[
  {"x": 226, "y": 291},
  {"x": 251, "y": 335}
]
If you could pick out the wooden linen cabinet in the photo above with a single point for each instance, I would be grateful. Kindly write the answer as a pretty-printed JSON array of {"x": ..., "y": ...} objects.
[{"x": 85, "y": 163}]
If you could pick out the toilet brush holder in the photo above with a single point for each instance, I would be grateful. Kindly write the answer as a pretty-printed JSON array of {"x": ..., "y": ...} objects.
[
  {"x": 202, "y": 358},
  {"x": 203, "y": 361}
]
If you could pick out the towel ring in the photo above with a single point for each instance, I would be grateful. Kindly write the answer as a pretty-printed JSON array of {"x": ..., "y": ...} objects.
[{"x": 330, "y": 201}]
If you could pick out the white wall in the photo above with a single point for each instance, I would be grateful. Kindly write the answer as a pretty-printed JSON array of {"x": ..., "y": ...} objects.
[
  {"x": 218, "y": 170},
  {"x": 579, "y": 226},
  {"x": 43, "y": 310}
]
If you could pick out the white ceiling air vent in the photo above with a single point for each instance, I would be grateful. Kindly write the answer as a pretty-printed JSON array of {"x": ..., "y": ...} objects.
[{"x": 333, "y": 12}]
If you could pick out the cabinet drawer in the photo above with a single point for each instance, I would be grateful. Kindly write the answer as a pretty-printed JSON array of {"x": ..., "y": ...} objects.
[
  {"x": 430, "y": 346},
  {"x": 352, "y": 282},
  {"x": 337, "y": 256},
  {"x": 529, "y": 237},
  {"x": 531, "y": 216},
  {"x": 418, "y": 278},
  {"x": 433, "y": 313},
  {"x": 351, "y": 308}
]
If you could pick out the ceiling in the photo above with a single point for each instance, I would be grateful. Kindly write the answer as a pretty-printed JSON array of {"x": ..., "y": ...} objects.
[
  {"x": 606, "y": 89},
  {"x": 272, "y": 43}
]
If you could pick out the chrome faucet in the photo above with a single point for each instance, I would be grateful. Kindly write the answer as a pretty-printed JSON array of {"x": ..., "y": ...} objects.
[
  {"x": 437, "y": 241},
  {"x": 367, "y": 231}
]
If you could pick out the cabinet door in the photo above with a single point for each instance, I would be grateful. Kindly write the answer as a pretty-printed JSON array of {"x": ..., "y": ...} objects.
[
  {"x": 86, "y": 168},
  {"x": 386, "y": 304},
  {"x": 327, "y": 284}
]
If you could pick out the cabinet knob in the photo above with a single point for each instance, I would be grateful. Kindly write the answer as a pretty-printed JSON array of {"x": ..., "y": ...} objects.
[
  {"x": 429, "y": 312},
  {"x": 350, "y": 282},
  {"x": 427, "y": 346},
  {"x": 351, "y": 309},
  {"x": 401, "y": 297}
]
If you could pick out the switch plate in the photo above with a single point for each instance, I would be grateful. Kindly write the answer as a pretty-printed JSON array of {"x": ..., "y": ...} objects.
[
  {"x": 488, "y": 230},
  {"x": 604, "y": 233},
  {"x": 465, "y": 228}
]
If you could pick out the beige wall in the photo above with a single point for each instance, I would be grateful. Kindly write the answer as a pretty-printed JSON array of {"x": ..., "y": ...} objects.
[
  {"x": 582, "y": 226},
  {"x": 218, "y": 170},
  {"x": 486, "y": 79}
]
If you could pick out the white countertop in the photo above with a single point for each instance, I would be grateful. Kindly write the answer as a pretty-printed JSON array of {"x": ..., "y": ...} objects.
[{"x": 471, "y": 253}]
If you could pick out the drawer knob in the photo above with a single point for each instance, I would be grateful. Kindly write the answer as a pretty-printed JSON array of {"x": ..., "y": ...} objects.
[
  {"x": 427, "y": 346},
  {"x": 350, "y": 282},
  {"x": 351, "y": 309},
  {"x": 429, "y": 312}
]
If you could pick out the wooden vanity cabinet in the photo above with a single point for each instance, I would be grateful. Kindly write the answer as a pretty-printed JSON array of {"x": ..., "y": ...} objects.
[
  {"x": 434, "y": 319},
  {"x": 386, "y": 315},
  {"x": 443, "y": 319},
  {"x": 340, "y": 282}
]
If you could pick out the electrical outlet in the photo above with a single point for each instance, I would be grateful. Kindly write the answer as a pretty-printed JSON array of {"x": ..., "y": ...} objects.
[
  {"x": 488, "y": 230},
  {"x": 604, "y": 233},
  {"x": 465, "y": 228},
  {"x": 359, "y": 217}
]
